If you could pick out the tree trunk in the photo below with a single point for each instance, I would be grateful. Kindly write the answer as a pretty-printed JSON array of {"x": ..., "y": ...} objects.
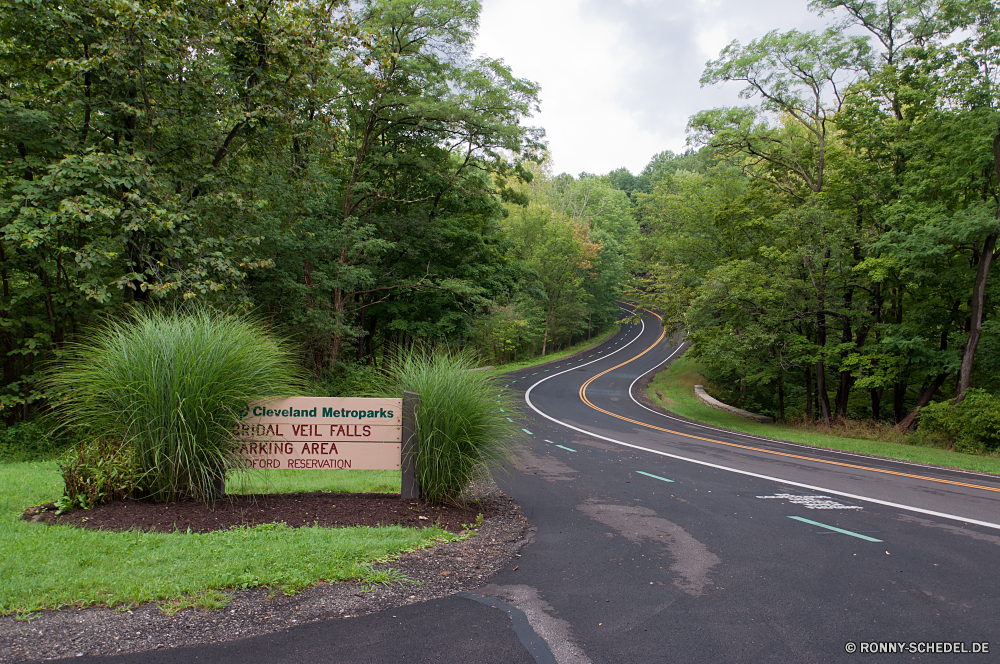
[
  {"x": 910, "y": 420},
  {"x": 781, "y": 400},
  {"x": 843, "y": 393},
  {"x": 876, "y": 404},
  {"x": 824, "y": 398},
  {"x": 976, "y": 316},
  {"x": 979, "y": 294},
  {"x": 898, "y": 401},
  {"x": 809, "y": 395}
]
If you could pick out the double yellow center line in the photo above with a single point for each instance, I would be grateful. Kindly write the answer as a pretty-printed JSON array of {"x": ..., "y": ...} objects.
[{"x": 583, "y": 397}]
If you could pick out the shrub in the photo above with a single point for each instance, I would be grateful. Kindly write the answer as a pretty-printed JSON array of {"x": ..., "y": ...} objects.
[
  {"x": 971, "y": 426},
  {"x": 460, "y": 426},
  {"x": 96, "y": 472},
  {"x": 31, "y": 441},
  {"x": 171, "y": 386},
  {"x": 351, "y": 380}
]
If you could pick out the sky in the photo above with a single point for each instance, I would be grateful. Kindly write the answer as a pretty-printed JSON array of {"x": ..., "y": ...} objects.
[{"x": 620, "y": 78}]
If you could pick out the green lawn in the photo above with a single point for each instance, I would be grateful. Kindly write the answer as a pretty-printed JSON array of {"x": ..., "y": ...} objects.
[
  {"x": 551, "y": 357},
  {"x": 48, "y": 567},
  {"x": 335, "y": 481},
  {"x": 677, "y": 382}
]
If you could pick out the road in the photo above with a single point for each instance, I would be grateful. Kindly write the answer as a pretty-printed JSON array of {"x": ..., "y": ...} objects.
[{"x": 660, "y": 540}]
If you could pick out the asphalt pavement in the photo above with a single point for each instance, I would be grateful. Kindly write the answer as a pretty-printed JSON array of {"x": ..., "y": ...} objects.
[{"x": 660, "y": 540}]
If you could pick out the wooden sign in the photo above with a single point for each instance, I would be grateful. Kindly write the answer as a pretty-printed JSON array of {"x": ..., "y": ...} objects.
[{"x": 323, "y": 433}]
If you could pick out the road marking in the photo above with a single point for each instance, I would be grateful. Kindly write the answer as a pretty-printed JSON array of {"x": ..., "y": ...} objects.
[
  {"x": 549, "y": 441},
  {"x": 909, "y": 508},
  {"x": 654, "y": 476},
  {"x": 509, "y": 420},
  {"x": 764, "y": 438},
  {"x": 527, "y": 432},
  {"x": 566, "y": 448},
  {"x": 583, "y": 397},
  {"x": 813, "y": 502},
  {"x": 835, "y": 529}
]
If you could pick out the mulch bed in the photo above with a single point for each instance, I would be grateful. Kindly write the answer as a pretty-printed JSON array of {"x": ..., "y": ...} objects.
[{"x": 293, "y": 509}]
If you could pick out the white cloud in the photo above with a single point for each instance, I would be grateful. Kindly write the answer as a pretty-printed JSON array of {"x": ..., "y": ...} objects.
[{"x": 620, "y": 78}]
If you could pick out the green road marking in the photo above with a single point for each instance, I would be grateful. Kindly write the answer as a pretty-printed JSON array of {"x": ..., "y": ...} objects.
[
  {"x": 568, "y": 449},
  {"x": 835, "y": 529},
  {"x": 527, "y": 432},
  {"x": 509, "y": 420},
  {"x": 535, "y": 374},
  {"x": 654, "y": 476}
]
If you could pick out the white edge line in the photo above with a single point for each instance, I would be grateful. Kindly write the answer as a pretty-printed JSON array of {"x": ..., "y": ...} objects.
[
  {"x": 909, "y": 508},
  {"x": 790, "y": 443}
]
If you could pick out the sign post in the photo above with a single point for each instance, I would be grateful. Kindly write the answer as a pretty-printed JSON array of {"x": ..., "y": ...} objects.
[
  {"x": 410, "y": 484},
  {"x": 333, "y": 433}
]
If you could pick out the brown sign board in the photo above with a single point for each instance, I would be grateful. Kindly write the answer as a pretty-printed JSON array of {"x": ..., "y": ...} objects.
[{"x": 322, "y": 433}]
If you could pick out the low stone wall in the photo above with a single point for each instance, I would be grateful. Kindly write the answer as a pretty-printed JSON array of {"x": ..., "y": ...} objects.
[{"x": 700, "y": 392}]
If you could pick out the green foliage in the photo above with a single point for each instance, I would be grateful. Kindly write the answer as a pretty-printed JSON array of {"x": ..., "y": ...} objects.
[
  {"x": 98, "y": 471},
  {"x": 350, "y": 380},
  {"x": 119, "y": 179},
  {"x": 464, "y": 424},
  {"x": 171, "y": 386},
  {"x": 971, "y": 426},
  {"x": 831, "y": 260},
  {"x": 31, "y": 441}
]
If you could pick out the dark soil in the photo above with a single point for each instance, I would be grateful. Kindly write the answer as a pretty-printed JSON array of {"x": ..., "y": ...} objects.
[{"x": 293, "y": 509}]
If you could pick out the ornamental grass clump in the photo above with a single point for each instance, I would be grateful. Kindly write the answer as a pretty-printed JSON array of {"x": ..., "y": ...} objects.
[
  {"x": 170, "y": 387},
  {"x": 464, "y": 422}
]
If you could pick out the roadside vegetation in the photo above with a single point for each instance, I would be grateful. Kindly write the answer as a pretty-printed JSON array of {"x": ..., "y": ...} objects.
[
  {"x": 465, "y": 423},
  {"x": 829, "y": 247},
  {"x": 154, "y": 400},
  {"x": 579, "y": 347},
  {"x": 674, "y": 389}
]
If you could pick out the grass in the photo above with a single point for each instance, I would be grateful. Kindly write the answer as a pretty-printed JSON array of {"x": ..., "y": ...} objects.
[
  {"x": 49, "y": 567},
  {"x": 171, "y": 386},
  {"x": 293, "y": 481},
  {"x": 551, "y": 357},
  {"x": 677, "y": 382},
  {"x": 465, "y": 423}
]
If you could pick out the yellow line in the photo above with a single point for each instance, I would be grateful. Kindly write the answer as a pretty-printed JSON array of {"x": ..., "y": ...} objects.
[{"x": 583, "y": 397}]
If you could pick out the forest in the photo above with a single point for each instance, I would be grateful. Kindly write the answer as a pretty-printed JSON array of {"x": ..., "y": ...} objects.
[
  {"x": 346, "y": 172},
  {"x": 351, "y": 175}
]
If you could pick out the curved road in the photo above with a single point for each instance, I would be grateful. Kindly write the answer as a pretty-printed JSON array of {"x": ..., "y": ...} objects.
[{"x": 659, "y": 539}]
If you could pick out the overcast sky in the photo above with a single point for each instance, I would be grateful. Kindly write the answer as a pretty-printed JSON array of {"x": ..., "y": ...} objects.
[{"x": 620, "y": 78}]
